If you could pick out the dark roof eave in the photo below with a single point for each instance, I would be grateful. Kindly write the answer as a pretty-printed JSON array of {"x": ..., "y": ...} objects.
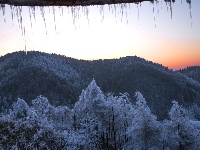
[{"x": 67, "y": 2}]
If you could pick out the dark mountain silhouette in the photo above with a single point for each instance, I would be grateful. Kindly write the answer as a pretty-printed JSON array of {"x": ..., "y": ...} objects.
[{"x": 61, "y": 80}]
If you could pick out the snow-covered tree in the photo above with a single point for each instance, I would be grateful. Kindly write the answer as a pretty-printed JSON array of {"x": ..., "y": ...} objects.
[
  {"x": 143, "y": 133},
  {"x": 20, "y": 109},
  {"x": 62, "y": 117},
  {"x": 96, "y": 122},
  {"x": 91, "y": 103},
  {"x": 74, "y": 140},
  {"x": 44, "y": 110},
  {"x": 177, "y": 113},
  {"x": 194, "y": 111},
  {"x": 180, "y": 128},
  {"x": 117, "y": 122},
  {"x": 91, "y": 107},
  {"x": 42, "y": 107},
  {"x": 91, "y": 129}
]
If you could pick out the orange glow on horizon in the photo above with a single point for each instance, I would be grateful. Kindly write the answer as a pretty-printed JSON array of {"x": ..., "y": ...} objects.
[{"x": 174, "y": 53}]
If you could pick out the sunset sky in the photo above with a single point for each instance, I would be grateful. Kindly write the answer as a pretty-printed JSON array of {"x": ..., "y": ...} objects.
[{"x": 153, "y": 35}]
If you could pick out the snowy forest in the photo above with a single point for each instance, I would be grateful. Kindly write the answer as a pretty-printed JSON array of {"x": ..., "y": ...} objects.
[
  {"x": 97, "y": 121},
  {"x": 43, "y": 106}
]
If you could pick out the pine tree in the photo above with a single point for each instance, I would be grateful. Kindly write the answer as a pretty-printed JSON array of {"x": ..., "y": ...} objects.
[
  {"x": 143, "y": 132},
  {"x": 91, "y": 103},
  {"x": 182, "y": 126},
  {"x": 20, "y": 109}
]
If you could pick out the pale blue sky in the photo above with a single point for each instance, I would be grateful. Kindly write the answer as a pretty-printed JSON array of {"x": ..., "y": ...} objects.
[{"x": 170, "y": 41}]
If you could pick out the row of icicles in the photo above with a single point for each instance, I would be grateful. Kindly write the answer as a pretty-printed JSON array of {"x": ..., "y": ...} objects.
[{"x": 76, "y": 11}]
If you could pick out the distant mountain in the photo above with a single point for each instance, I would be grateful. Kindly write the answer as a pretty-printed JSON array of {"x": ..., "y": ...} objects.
[
  {"x": 61, "y": 80},
  {"x": 27, "y": 76},
  {"x": 192, "y": 72}
]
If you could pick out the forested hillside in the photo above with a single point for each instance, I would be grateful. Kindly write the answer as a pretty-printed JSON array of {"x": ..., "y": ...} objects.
[
  {"x": 61, "y": 80},
  {"x": 192, "y": 72},
  {"x": 97, "y": 121}
]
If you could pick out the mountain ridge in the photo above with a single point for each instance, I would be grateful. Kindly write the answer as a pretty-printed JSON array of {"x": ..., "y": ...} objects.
[{"x": 61, "y": 79}]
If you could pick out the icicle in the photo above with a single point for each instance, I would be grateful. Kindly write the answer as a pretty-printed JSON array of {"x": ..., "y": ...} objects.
[
  {"x": 101, "y": 10},
  {"x": 188, "y": 1},
  {"x": 121, "y": 11},
  {"x": 171, "y": 8},
  {"x": 73, "y": 17},
  {"x": 127, "y": 13},
  {"x": 59, "y": 10},
  {"x": 12, "y": 15},
  {"x": 190, "y": 7},
  {"x": 167, "y": 6},
  {"x": 62, "y": 11},
  {"x": 109, "y": 8},
  {"x": 138, "y": 13},
  {"x": 122, "y": 6},
  {"x": 29, "y": 9},
  {"x": 87, "y": 14},
  {"x": 118, "y": 8},
  {"x": 19, "y": 17},
  {"x": 157, "y": 4},
  {"x": 79, "y": 9},
  {"x": 33, "y": 12},
  {"x": 3, "y": 8},
  {"x": 115, "y": 10},
  {"x": 17, "y": 14},
  {"x": 72, "y": 12},
  {"x": 25, "y": 40},
  {"x": 54, "y": 17},
  {"x": 154, "y": 18},
  {"x": 42, "y": 13}
]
